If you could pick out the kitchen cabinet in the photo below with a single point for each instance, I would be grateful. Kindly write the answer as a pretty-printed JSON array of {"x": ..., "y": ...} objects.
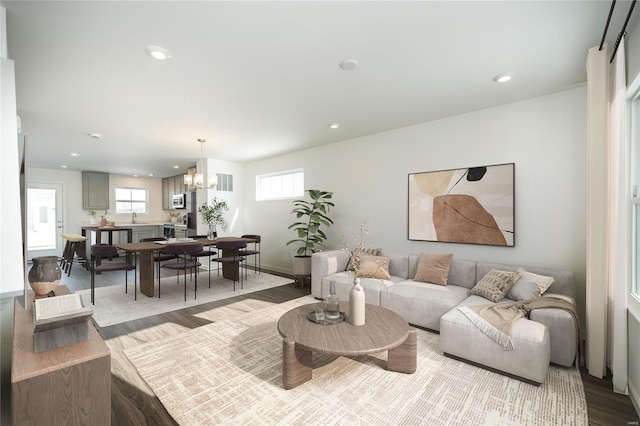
[
  {"x": 140, "y": 232},
  {"x": 95, "y": 191},
  {"x": 170, "y": 186}
]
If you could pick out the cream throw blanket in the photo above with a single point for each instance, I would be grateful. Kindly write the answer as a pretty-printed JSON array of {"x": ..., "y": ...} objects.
[{"x": 496, "y": 321}]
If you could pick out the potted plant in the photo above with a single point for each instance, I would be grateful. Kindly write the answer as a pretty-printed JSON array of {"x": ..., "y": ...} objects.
[
  {"x": 311, "y": 216},
  {"x": 212, "y": 215}
]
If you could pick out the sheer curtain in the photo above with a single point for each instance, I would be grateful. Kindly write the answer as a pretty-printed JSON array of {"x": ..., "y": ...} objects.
[{"x": 607, "y": 217}]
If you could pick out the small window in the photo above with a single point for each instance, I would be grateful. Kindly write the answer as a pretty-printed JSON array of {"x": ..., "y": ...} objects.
[
  {"x": 280, "y": 185},
  {"x": 131, "y": 200}
]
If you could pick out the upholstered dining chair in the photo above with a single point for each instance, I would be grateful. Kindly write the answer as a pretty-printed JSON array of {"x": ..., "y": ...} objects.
[
  {"x": 160, "y": 256},
  {"x": 255, "y": 252},
  {"x": 230, "y": 254},
  {"x": 185, "y": 259},
  {"x": 100, "y": 251}
]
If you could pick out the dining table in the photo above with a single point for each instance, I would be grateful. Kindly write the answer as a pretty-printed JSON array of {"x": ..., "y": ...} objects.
[{"x": 145, "y": 251}]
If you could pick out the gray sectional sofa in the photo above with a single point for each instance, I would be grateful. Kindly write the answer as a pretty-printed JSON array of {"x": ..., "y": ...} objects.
[{"x": 548, "y": 336}]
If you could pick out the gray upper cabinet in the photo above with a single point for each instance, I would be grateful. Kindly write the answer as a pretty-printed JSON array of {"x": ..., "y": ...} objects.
[
  {"x": 170, "y": 186},
  {"x": 95, "y": 191}
]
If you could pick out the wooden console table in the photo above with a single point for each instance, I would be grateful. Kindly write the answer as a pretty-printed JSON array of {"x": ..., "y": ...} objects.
[{"x": 67, "y": 385}]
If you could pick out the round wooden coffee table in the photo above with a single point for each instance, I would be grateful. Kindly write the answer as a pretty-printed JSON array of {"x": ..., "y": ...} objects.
[{"x": 384, "y": 330}]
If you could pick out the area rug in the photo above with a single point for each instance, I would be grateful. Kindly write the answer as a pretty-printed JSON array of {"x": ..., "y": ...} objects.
[
  {"x": 114, "y": 306},
  {"x": 230, "y": 372}
]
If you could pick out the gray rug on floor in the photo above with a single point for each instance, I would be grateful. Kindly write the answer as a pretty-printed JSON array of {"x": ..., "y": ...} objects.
[
  {"x": 114, "y": 306},
  {"x": 231, "y": 373}
]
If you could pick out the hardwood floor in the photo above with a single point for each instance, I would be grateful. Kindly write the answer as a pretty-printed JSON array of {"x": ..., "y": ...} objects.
[{"x": 133, "y": 403}]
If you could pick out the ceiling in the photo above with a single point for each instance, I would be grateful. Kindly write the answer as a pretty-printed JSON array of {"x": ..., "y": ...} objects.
[{"x": 258, "y": 79}]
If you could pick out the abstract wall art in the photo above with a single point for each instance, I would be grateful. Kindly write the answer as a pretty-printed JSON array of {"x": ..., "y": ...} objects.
[{"x": 474, "y": 205}]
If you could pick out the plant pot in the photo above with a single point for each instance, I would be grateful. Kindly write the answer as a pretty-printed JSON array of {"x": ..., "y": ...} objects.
[
  {"x": 302, "y": 265},
  {"x": 44, "y": 276}
]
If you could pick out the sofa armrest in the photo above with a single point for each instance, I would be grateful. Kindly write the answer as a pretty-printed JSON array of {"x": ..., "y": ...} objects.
[{"x": 326, "y": 263}]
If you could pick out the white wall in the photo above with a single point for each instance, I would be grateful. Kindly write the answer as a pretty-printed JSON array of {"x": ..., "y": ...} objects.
[
  {"x": 545, "y": 137},
  {"x": 11, "y": 269},
  {"x": 234, "y": 199}
]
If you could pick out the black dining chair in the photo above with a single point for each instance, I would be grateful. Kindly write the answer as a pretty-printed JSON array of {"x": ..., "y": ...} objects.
[
  {"x": 185, "y": 259},
  {"x": 230, "y": 254},
  {"x": 206, "y": 252},
  {"x": 255, "y": 252},
  {"x": 100, "y": 251},
  {"x": 159, "y": 256}
]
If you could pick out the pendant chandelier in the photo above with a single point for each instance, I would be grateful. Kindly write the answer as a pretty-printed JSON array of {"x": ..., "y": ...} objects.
[{"x": 196, "y": 180}]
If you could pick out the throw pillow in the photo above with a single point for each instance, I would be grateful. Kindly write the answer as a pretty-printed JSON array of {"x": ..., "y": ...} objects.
[
  {"x": 366, "y": 251},
  {"x": 495, "y": 284},
  {"x": 529, "y": 286},
  {"x": 374, "y": 267},
  {"x": 433, "y": 268}
]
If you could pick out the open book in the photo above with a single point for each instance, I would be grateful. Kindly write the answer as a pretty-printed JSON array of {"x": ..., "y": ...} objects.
[{"x": 59, "y": 311}]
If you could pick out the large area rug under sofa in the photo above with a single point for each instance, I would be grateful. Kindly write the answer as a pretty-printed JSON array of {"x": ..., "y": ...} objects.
[
  {"x": 452, "y": 296},
  {"x": 230, "y": 372}
]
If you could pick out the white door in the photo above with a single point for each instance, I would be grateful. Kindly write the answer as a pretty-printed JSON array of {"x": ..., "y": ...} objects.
[{"x": 44, "y": 220}]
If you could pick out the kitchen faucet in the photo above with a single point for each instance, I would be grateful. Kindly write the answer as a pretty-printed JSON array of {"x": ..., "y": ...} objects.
[{"x": 133, "y": 217}]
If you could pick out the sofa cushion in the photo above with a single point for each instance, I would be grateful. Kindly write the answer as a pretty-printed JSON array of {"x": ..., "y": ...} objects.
[
  {"x": 495, "y": 284},
  {"x": 529, "y": 286},
  {"x": 564, "y": 280},
  {"x": 434, "y": 268},
  {"x": 344, "y": 282},
  {"x": 420, "y": 303},
  {"x": 374, "y": 267},
  {"x": 398, "y": 265}
]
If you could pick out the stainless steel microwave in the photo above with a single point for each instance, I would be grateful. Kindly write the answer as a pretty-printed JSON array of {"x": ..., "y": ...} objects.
[{"x": 179, "y": 201}]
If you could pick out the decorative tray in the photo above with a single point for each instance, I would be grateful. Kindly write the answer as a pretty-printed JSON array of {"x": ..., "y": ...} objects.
[{"x": 311, "y": 316}]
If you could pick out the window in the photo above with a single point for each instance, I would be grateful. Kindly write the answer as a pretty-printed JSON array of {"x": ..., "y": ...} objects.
[
  {"x": 131, "y": 200},
  {"x": 280, "y": 185}
]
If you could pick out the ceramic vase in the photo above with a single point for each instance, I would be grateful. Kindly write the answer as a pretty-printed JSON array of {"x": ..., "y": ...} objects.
[
  {"x": 356, "y": 303},
  {"x": 212, "y": 234},
  {"x": 103, "y": 221},
  {"x": 44, "y": 276}
]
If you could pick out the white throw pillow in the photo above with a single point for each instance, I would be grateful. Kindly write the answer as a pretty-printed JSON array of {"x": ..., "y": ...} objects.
[{"x": 529, "y": 286}]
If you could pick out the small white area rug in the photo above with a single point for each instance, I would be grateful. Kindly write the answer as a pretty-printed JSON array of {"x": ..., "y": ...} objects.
[
  {"x": 230, "y": 372},
  {"x": 114, "y": 306}
]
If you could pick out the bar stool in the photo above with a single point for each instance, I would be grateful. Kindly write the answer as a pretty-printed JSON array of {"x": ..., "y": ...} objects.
[{"x": 75, "y": 245}]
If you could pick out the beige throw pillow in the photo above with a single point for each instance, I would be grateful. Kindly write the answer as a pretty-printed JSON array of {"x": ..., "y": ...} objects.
[
  {"x": 366, "y": 251},
  {"x": 374, "y": 267},
  {"x": 433, "y": 268},
  {"x": 495, "y": 284}
]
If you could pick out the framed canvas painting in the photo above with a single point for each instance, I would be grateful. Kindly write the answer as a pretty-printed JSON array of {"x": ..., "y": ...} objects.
[{"x": 474, "y": 205}]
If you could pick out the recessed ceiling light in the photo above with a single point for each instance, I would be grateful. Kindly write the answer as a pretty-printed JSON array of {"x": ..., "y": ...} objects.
[
  {"x": 150, "y": 174},
  {"x": 135, "y": 175},
  {"x": 159, "y": 53},
  {"x": 334, "y": 125},
  {"x": 94, "y": 135},
  {"x": 349, "y": 64},
  {"x": 503, "y": 78},
  {"x": 74, "y": 154},
  {"x": 64, "y": 167},
  {"x": 176, "y": 167}
]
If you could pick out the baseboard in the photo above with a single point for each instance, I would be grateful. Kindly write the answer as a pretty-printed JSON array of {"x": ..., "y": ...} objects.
[{"x": 634, "y": 395}]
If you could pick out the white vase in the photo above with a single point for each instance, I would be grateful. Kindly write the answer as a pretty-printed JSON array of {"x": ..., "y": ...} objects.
[{"x": 356, "y": 304}]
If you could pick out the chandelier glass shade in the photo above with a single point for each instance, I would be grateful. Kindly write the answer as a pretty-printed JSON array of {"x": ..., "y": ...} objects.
[{"x": 196, "y": 180}]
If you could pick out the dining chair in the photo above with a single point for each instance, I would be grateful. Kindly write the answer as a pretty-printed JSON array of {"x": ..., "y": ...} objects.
[
  {"x": 230, "y": 254},
  {"x": 185, "y": 259},
  {"x": 159, "y": 256},
  {"x": 255, "y": 252},
  {"x": 100, "y": 251},
  {"x": 206, "y": 252}
]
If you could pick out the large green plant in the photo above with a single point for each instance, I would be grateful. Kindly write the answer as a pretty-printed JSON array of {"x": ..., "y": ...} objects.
[
  {"x": 213, "y": 214},
  {"x": 313, "y": 214}
]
